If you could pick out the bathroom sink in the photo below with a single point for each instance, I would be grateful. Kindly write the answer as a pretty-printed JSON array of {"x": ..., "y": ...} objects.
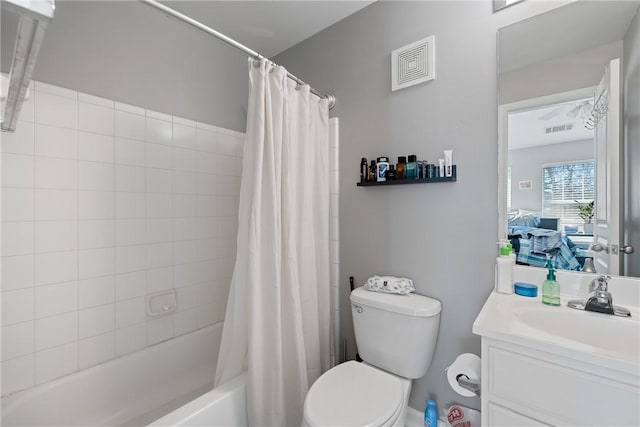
[{"x": 574, "y": 333}]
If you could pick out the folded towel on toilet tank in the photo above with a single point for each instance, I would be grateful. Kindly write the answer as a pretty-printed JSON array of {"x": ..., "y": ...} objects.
[{"x": 390, "y": 285}]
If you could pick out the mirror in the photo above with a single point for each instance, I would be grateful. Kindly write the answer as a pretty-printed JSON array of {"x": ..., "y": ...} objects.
[{"x": 568, "y": 139}]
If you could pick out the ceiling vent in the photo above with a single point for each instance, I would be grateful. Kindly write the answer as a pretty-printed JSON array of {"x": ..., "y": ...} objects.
[
  {"x": 559, "y": 128},
  {"x": 413, "y": 64}
]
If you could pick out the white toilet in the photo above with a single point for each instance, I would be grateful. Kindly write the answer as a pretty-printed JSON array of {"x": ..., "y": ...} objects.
[{"x": 396, "y": 336}]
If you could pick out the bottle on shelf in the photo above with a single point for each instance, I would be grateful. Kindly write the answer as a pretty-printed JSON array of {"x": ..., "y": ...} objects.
[
  {"x": 364, "y": 170},
  {"x": 401, "y": 167},
  {"x": 411, "y": 170}
]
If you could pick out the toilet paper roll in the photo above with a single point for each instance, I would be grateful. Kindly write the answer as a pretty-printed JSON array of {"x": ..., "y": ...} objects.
[{"x": 466, "y": 364}]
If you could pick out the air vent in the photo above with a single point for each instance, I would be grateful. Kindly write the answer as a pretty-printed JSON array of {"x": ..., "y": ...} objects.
[
  {"x": 559, "y": 128},
  {"x": 413, "y": 64}
]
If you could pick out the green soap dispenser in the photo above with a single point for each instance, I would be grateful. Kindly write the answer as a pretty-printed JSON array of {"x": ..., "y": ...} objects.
[{"x": 550, "y": 288}]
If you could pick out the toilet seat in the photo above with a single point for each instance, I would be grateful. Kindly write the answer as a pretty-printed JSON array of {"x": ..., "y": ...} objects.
[{"x": 354, "y": 394}]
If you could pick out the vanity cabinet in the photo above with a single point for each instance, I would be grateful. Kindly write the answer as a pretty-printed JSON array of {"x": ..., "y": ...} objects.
[{"x": 526, "y": 386}]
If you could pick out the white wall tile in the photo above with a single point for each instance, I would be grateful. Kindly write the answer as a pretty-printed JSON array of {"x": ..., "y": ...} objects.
[
  {"x": 159, "y": 181},
  {"x": 186, "y": 321},
  {"x": 17, "y": 272},
  {"x": 159, "y": 116},
  {"x": 96, "y": 262},
  {"x": 188, "y": 297},
  {"x": 184, "y": 251},
  {"x": 96, "y": 176},
  {"x": 159, "y": 205},
  {"x": 96, "y": 291},
  {"x": 54, "y": 236},
  {"x": 97, "y": 119},
  {"x": 225, "y": 268},
  {"x": 96, "y": 204},
  {"x": 159, "y": 255},
  {"x": 21, "y": 141},
  {"x": 95, "y": 148},
  {"x": 41, "y": 87},
  {"x": 159, "y": 131},
  {"x": 159, "y": 329},
  {"x": 207, "y": 270},
  {"x": 184, "y": 205},
  {"x": 17, "y": 306},
  {"x": 17, "y": 204},
  {"x": 184, "y": 136},
  {"x": 207, "y": 205},
  {"x": 184, "y": 182},
  {"x": 206, "y": 162},
  {"x": 184, "y": 229},
  {"x": 227, "y": 226},
  {"x": 60, "y": 174},
  {"x": 184, "y": 160},
  {"x": 131, "y": 205},
  {"x": 130, "y": 312},
  {"x": 207, "y": 292},
  {"x": 227, "y": 247},
  {"x": 130, "y": 285},
  {"x": 131, "y": 339},
  {"x": 208, "y": 314},
  {"x": 130, "y": 178},
  {"x": 207, "y": 227},
  {"x": 226, "y": 165},
  {"x": 158, "y": 156},
  {"x": 207, "y": 184},
  {"x": 226, "y": 144},
  {"x": 206, "y": 140},
  {"x": 56, "y": 267},
  {"x": 56, "y": 110},
  {"x": 159, "y": 279},
  {"x": 228, "y": 185},
  {"x": 183, "y": 121},
  {"x": 96, "y": 233},
  {"x": 56, "y": 205},
  {"x": 159, "y": 230},
  {"x": 209, "y": 249},
  {"x": 95, "y": 100},
  {"x": 97, "y": 320},
  {"x": 17, "y": 170},
  {"x": 131, "y": 152},
  {"x": 56, "y": 362},
  {"x": 130, "y": 232},
  {"x": 96, "y": 350},
  {"x": 54, "y": 141},
  {"x": 17, "y": 238},
  {"x": 129, "y": 125},
  {"x": 56, "y": 330},
  {"x": 17, "y": 340},
  {"x": 185, "y": 275},
  {"x": 130, "y": 108},
  {"x": 56, "y": 299},
  {"x": 130, "y": 258},
  {"x": 228, "y": 205},
  {"x": 17, "y": 374}
]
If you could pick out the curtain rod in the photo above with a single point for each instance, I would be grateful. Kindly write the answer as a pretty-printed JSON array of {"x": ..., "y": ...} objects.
[{"x": 231, "y": 42}]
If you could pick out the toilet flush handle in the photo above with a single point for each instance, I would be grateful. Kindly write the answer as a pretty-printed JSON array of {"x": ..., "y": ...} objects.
[{"x": 358, "y": 308}]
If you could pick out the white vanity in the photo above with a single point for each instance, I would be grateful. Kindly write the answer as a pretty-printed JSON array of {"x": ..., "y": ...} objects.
[{"x": 559, "y": 366}]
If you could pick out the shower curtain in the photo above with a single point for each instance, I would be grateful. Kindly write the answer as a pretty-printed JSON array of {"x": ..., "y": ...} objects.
[{"x": 278, "y": 322}]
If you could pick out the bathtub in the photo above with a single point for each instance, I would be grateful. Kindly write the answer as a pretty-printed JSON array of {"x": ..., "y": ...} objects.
[
  {"x": 225, "y": 405},
  {"x": 131, "y": 390}
]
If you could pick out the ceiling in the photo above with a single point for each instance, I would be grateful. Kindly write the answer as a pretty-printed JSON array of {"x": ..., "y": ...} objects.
[
  {"x": 528, "y": 128},
  {"x": 568, "y": 29},
  {"x": 268, "y": 27}
]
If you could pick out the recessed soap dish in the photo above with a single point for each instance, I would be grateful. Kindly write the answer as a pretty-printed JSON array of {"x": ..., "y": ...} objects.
[{"x": 161, "y": 303}]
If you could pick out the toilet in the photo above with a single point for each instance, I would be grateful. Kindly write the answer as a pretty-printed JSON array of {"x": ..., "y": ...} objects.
[{"x": 396, "y": 336}]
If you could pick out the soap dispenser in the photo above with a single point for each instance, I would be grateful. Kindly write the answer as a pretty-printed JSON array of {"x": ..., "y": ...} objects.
[{"x": 550, "y": 288}]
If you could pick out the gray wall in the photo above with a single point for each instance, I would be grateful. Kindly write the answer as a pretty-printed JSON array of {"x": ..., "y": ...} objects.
[
  {"x": 526, "y": 164},
  {"x": 631, "y": 78},
  {"x": 440, "y": 235},
  {"x": 127, "y": 51},
  {"x": 577, "y": 71}
]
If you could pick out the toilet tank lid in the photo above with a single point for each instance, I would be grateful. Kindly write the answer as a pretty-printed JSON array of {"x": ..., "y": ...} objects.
[{"x": 410, "y": 304}]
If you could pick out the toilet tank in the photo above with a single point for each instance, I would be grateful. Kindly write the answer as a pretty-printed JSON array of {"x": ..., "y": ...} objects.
[{"x": 396, "y": 333}]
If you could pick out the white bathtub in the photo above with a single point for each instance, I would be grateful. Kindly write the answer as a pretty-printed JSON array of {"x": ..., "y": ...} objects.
[
  {"x": 225, "y": 405},
  {"x": 130, "y": 390}
]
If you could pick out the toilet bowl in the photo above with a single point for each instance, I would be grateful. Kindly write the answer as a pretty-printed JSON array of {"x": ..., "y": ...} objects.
[{"x": 396, "y": 336}]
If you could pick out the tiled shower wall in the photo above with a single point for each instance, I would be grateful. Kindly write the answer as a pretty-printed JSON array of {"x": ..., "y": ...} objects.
[{"x": 102, "y": 204}]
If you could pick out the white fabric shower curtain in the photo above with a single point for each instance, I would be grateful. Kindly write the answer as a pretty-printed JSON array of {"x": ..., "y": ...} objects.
[{"x": 278, "y": 322}]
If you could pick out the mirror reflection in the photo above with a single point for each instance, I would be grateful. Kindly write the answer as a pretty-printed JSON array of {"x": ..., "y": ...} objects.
[{"x": 569, "y": 131}]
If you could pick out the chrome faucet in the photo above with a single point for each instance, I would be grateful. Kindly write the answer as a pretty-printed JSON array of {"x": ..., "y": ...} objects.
[{"x": 599, "y": 299}]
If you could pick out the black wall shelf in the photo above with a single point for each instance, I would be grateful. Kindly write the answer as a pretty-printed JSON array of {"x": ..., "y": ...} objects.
[{"x": 452, "y": 178}]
